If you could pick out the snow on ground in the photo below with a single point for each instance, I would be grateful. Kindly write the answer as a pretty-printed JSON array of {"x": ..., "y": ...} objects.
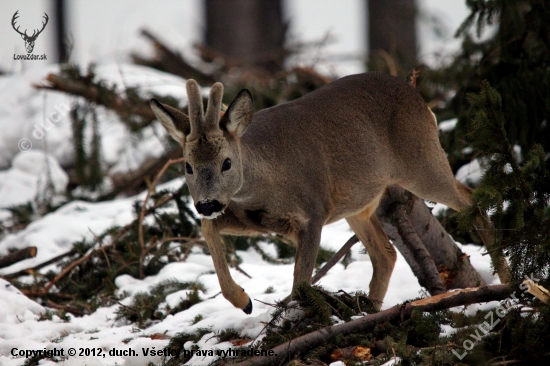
[{"x": 29, "y": 174}]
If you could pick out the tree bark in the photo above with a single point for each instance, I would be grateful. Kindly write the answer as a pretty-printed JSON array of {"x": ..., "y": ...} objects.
[
  {"x": 453, "y": 266},
  {"x": 366, "y": 324},
  {"x": 428, "y": 275},
  {"x": 250, "y": 30}
]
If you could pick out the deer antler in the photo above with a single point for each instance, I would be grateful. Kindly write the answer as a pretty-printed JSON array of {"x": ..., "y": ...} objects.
[
  {"x": 15, "y": 16},
  {"x": 34, "y": 34}
]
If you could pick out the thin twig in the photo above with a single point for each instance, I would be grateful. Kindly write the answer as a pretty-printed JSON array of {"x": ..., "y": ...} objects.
[
  {"x": 68, "y": 309},
  {"x": 100, "y": 243},
  {"x": 241, "y": 270},
  {"x": 266, "y": 303},
  {"x": 414, "y": 76}
]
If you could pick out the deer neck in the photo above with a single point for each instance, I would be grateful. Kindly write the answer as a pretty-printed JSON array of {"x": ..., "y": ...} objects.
[{"x": 255, "y": 173}]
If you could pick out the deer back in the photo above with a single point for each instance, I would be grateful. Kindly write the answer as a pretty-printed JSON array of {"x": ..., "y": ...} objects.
[{"x": 340, "y": 143}]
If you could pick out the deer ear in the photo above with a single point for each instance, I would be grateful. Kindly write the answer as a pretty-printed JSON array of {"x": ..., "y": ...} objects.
[
  {"x": 239, "y": 114},
  {"x": 175, "y": 122}
]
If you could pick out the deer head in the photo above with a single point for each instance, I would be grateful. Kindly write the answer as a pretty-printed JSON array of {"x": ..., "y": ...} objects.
[
  {"x": 213, "y": 166},
  {"x": 29, "y": 40}
]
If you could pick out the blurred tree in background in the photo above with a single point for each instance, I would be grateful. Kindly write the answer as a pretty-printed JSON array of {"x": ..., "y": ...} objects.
[
  {"x": 61, "y": 41},
  {"x": 392, "y": 35},
  {"x": 250, "y": 32}
]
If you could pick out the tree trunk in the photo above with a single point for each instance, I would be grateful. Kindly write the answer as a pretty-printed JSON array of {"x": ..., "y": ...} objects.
[
  {"x": 60, "y": 11},
  {"x": 453, "y": 266},
  {"x": 392, "y": 30},
  {"x": 251, "y": 31}
]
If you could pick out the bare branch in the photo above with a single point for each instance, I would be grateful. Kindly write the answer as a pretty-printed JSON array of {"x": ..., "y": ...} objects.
[{"x": 335, "y": 259}]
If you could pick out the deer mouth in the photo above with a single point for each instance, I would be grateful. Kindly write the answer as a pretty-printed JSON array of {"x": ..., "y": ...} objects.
[{"x": 210, "y": 209}]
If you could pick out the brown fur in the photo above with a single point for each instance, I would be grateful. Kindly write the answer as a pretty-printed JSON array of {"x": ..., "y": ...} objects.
[{"x": 300, "y": 165}]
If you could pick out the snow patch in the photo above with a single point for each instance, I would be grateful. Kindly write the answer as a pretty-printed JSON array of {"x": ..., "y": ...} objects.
[
  {"x": 448, "y": 125},
  {"x": 470, "y": 173},
  {"x": 30, "y": 174}
]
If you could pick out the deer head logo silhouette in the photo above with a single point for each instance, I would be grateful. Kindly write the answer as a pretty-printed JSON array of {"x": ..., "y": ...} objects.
[{"x": 29, "y": 40}]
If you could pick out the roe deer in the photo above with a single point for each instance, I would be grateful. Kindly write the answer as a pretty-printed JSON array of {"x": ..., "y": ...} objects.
[{"x": 295, "y": 167}]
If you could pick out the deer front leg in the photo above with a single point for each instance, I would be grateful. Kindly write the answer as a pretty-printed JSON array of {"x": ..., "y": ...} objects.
[
  {"x": 230, "y": 290},
  {"x": 309, "y": 240}
]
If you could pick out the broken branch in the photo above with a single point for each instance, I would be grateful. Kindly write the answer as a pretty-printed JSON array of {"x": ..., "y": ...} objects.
[{"x": 335, "y": 259}]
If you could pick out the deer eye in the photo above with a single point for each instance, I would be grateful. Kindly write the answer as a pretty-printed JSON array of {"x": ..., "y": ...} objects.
[
  {"x": 188, "y": 168},
  {"x": 226, "y": 165}
]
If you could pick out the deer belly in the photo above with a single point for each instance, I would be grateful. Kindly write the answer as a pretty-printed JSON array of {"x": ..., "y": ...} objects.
[{"x": 355, "y": 201}]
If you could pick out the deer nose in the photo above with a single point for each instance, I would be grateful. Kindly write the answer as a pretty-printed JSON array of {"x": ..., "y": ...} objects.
[{"x": 208, "y": 207}]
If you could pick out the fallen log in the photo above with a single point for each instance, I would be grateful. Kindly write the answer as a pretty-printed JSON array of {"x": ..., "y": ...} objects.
[
  {"x": 30, "y": 271},
  {"x": 453, "y": 265},
  {"x": 17, "y": 256}
]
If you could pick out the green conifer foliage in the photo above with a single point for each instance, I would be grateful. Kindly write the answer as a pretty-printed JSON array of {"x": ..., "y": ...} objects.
[
  {"x": 145, "y": 305},
  {"x": 518, "y": 195},
  {"x": 515, "y": 60}
]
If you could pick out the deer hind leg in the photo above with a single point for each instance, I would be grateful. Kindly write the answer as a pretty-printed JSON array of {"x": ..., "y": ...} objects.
[
  {"x": 441, "y": 186},
  {"x": 381, "y": 252}
]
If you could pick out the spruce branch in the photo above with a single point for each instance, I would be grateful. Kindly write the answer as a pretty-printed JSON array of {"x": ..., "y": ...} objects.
[{"x": 100, "y": 94}]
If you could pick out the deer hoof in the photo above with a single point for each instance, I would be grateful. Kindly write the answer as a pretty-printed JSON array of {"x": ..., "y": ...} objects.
[{"x": 248, "y": 308}]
